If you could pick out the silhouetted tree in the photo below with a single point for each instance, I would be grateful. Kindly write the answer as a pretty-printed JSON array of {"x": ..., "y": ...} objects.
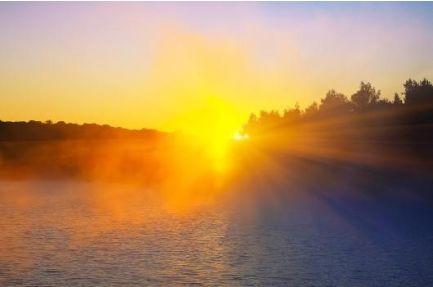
[
  {"x": 292, "y": 115},
  {"x": 418, "y": 93},
  {"x": 365, "y": 97},
  {"x": 312, "y": 109},
  {"x": 334, "y": 103},
  {"x": 397, "y": 100}
]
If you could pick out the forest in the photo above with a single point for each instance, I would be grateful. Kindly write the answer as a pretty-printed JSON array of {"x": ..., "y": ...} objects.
[{"x": 362, "y": 140}]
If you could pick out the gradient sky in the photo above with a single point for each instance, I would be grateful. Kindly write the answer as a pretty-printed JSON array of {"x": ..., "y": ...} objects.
[{"x": 177, "y": 66}]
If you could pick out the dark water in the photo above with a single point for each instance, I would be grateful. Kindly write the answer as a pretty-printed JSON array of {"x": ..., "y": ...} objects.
[{"x": 77, "y": 234}]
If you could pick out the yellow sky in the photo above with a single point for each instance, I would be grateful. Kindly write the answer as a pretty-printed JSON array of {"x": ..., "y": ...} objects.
[
  {"x": 197, "y": 67},
  {"x": 188, "y": 82}
]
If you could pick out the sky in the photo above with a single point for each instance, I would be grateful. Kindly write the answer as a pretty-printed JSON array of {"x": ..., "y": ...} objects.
[{"x": 190, "y": 66}]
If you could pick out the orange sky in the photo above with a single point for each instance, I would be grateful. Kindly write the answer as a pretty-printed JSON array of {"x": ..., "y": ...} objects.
[{"x": 191, "y": 66}]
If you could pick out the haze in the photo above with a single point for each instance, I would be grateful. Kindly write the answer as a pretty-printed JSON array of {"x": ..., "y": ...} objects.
[{"x": 162, "y": 65}]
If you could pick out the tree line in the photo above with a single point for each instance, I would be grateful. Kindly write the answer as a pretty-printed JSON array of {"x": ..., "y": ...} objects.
[
  {"x": 362, "y": 128},
  {"x": 413, "y": 108},
  {"x": 37, "y": 130}
]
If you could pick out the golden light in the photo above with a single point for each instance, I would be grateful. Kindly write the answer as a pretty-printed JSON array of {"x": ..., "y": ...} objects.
[
  {"x": 201, "y": 160},
  {"x": 240, "y": 136},
  {"x": 211, "y": 124}
]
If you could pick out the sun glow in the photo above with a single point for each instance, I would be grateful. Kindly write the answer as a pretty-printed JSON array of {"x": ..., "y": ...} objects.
[
  {"x": 216, "y": 144},
  {"x": 211, "y": 124},
  {"x": 238, "y": 136}
]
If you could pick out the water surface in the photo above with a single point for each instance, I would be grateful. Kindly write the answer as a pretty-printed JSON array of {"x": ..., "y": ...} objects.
[{"x": 82, "y": 234}]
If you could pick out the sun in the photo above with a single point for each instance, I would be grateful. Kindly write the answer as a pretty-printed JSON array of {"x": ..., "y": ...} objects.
[
  {"x": 238, "y": 136},
  {"x": 214, "y": 125},
  {"x": 217, "y": 145}
]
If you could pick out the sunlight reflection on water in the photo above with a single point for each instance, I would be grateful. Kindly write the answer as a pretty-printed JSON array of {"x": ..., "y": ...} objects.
[{"x": 71, "y": 234}]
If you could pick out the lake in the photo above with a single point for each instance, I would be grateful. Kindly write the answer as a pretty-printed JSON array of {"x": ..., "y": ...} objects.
[{"x": 65, "y": 233}]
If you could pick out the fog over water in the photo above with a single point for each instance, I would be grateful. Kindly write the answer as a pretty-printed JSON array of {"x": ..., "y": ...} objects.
[
  {"x": 71, "y": 233},
  {"x": 211, "y": 144}
]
